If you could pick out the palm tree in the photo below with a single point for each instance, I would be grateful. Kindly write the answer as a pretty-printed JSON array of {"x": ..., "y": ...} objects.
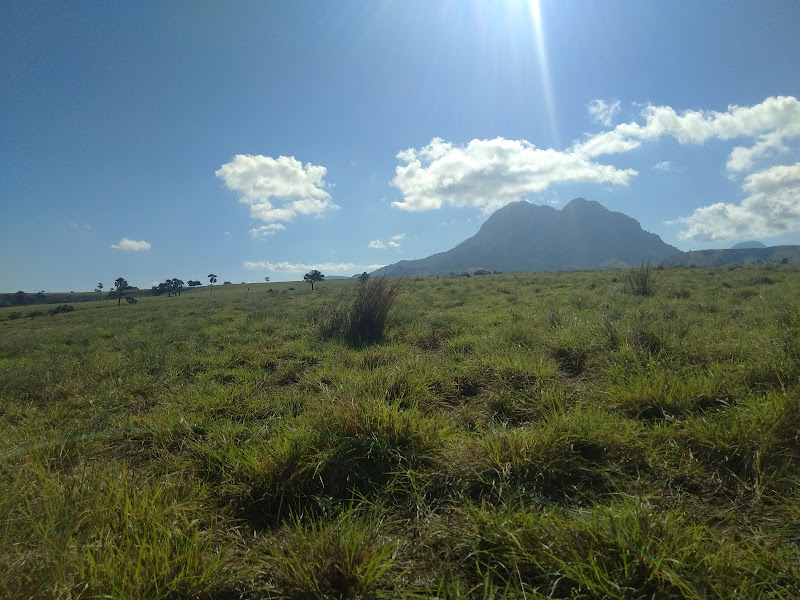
[
  {"x": 212, "y": 279},
  {"x": 121, "y": 285}
]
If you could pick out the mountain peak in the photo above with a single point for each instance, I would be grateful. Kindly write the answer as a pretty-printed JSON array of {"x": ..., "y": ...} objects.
[
  {"x": 581, "y": 204},
  {"x": 753, "y": 244},
  {"x": 521, "y": 237}
]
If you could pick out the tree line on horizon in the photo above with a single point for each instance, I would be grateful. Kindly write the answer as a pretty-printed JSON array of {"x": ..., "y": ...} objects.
[{"x": 171, "y": 286}]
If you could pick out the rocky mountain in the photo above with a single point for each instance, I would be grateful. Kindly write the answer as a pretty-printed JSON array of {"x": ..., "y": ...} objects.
[
  {"x": 741, "y": 245},
  {"x": 527, "y": 237}
]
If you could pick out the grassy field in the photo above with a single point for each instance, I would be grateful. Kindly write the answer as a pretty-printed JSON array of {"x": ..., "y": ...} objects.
[{"x": 524, "y": 436}]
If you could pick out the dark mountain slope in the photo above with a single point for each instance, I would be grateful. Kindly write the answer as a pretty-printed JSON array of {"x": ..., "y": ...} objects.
[{"x": 526, "y": 237}]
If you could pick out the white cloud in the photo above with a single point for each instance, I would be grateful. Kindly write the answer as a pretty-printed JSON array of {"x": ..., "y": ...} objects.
[
  {"x": 287, "y": 267},
  {"x": 772, "y": 208},
  {"x": 277, "y": 189},
  {"x": 771, "y": 122},
  {"x": 490, "y": 173},
  {"x": 603, "y": 112},
  {"x": 667, "y": 166},
  {"x": 131, "y": 245},
  {"x": 265, "y": 230},
  {"x": 393, "y": 243}
]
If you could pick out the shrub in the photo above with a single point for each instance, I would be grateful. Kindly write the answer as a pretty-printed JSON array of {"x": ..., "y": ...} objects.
[
  {"x": 130, "y": 300},
  {"x": 62, "y": 309},
  {"x": 362, "y": 321},
  {"x": 641, "y": 281}
]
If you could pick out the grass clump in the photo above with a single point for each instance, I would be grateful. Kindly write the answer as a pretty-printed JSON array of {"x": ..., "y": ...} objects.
[
  {"x": 355, "y": 449},
  {"x": 62, "y": 309},
  {"x": 572, "y": 455},
  {"x": 628, "y": 549},
  {"x": 104, "y": 533},
  {"x": 361, "y": 321},
  {"x": 346, "y": 558},
  {"x": 641, "y": 281}
]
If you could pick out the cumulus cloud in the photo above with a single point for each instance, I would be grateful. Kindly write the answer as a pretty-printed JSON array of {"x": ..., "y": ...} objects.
[
  {"x": 287, "y": 267},
  {"x": 490, "y": 173},
  {"x": 131, "y": 245},
  {"x": 394, "y": 242},
  {"x": 770, "y": 123},
  {"x": 266, "y": 230},
  {"x": 771, "y": 208},
  {"x": 277, "y": 189},
  {"x": 603, "y": 111}
]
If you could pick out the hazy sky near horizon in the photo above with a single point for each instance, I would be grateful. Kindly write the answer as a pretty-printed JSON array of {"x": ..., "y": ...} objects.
[{"x": 152, "y": 140}]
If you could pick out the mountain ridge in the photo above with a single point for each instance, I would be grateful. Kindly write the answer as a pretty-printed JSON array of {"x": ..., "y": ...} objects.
[{"x": 786, "y": 254}]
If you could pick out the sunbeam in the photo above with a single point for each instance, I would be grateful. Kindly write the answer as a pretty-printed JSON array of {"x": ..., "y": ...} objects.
[{"x": 540, "y": 50}]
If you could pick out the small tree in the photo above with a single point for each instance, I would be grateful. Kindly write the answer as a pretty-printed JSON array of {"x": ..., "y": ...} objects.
[
  {"x": 313, "y": 276},
  {"x": 121, "y": 285},
  {"x": 177, "y": 285},
  {"x": 99, "y": 287},
  {"x": 364, "y": 277},
  {"x": 212, "y": 279},
  {"x": 266, "y": 279}
]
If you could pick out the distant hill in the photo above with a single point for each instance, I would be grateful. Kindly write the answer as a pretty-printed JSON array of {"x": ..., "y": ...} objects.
[
  {"x": 747, "y": 245},
  {"x": 526, "y": 237},
  {"x": 25, "y": 299},
  {"x": 735, "y": 256}
]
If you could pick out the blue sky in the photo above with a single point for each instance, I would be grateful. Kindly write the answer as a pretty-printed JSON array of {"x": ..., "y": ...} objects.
[{"x": 152, "y": 140}]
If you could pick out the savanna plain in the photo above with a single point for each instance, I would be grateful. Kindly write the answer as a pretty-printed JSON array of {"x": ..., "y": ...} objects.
[{"x": 540, "y": 435}]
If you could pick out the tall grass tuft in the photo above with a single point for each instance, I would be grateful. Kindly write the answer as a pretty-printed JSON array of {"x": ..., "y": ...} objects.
[
  {"x": 348, "y": 558},
  {"x": 361, "y": 321},
  {"x": 641, "y": 281}
]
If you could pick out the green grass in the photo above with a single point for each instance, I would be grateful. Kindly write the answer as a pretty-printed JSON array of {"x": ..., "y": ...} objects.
[{"x": 539, "y": 435}]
